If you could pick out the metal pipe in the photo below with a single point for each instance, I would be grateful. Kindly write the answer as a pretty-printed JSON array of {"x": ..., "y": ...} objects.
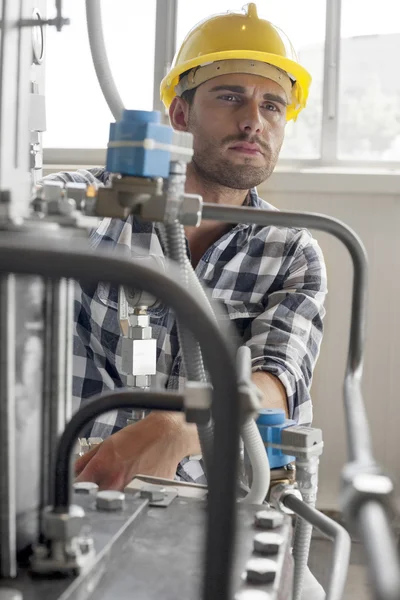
[
  {"x": 335, "y": 532},
  {"x": 8, "y": 516},
  {"x": 382, "y": 558},
  {"x": 358, "y": 436},
  {"x": 93, "y": 408},
  {"x": 54, "y": 258},
  {"x": 100, "y": 59}
]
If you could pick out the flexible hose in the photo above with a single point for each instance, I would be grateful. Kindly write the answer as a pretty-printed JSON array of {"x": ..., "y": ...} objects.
[
  {"x": 334, "y": 531},
  {"x": 100, "y": 60},
  {"x": 22, "y": 254},
  {"x": 90, "y": 410},
  {"x": 261, "y": 474},
  {"x": 307, "y": 481},
  {"x": 191, "y": 353},
  {"x": 253, "y": 442}
]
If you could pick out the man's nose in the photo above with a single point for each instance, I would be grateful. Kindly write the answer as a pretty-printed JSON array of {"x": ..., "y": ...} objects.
[{"x": 250, "y": 120}]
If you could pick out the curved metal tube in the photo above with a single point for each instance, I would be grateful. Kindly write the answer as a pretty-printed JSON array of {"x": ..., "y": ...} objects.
[
  {"x": 100, "y": 60},
  {"x": 358, "y": 436},
  {"x": 90, "y": 410},
  {"x": 55, "y": 259},
  {"x": 334, "y": 531}
]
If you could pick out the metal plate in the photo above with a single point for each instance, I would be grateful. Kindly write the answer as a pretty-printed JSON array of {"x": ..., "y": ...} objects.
[{"x": 156, "y": 553}]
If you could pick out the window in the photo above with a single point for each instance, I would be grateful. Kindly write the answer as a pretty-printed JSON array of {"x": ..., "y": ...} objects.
[
  {"x": 369, "y": 92},
  {"x": 77, "y": 114},
  {"x": 349, "y": 47},
  {"x": 307, "y": 36}
]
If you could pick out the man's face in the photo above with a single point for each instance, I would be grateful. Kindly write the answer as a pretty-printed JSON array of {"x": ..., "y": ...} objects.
[{"x": 238, "y": 123}]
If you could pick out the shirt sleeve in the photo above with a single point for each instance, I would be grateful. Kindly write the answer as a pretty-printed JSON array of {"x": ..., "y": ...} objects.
[{"x": 285, "y": 338}]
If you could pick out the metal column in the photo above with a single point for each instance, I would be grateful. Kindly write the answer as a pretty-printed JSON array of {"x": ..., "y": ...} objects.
[
  {"x": 57, "y": 405},
  {"x": 8, "y": 564}
]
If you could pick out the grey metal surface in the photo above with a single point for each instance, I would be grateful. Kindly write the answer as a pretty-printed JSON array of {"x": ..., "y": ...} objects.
[
  {"x": 168, "y": 542},
  {"x": 7, "y": 428},
  {"x": 156, "y": 553}
]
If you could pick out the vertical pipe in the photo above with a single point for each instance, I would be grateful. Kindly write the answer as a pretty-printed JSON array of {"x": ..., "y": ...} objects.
[
  {"x": 56, "y": 371},
  {"x": 69, "y": 342},
  {"x": 8, "y": 562}
]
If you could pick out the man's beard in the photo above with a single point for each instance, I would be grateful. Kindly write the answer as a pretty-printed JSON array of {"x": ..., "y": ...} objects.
[
  {"x": 221, "y": 171},
  {"x": 227, "y": 174}
]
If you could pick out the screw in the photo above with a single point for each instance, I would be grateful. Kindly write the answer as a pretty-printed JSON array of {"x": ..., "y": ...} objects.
[
  {"x": 261, "y": 570},
  {"x": 268, "y": 519},
  {"x": 86, "y": 487},
  {"x": 267, "y": 542},
  {"x": 252, "y": 595},
  {"x": 110, "y": 500}
]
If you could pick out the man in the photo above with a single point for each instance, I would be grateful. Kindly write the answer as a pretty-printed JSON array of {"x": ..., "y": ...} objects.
[{"x": 272, "y": 280}]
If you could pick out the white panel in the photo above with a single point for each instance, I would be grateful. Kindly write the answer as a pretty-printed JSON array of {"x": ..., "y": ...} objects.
[{"x": 375, "y": 218}]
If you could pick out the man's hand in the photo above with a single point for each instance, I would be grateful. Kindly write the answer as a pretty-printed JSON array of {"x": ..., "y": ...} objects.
[{"x": 153, "y": 446}]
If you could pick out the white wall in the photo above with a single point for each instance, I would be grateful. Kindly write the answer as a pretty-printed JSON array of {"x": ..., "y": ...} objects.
[{"x": 370, "y": 204}]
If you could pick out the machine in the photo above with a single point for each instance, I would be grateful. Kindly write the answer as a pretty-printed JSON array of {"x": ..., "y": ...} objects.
[{"x": 158, "y": 538}]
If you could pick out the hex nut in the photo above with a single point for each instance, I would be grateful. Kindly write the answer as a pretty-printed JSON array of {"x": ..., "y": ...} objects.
[
  {"x": 110, "y": 500},
  {"x": 268, "y": 519},
  {"x": 140, "y": 333},
  {"x": 261, "y": 570},
  {"x": 267, "y": 542},
  {"x": 138, "y": 320},
  {"x": 86, "y": 487},
  {"x": 63, "y": 526}
]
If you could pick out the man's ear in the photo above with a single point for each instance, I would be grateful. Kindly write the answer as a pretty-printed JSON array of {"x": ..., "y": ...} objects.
[{"x": 179, "y": 114}]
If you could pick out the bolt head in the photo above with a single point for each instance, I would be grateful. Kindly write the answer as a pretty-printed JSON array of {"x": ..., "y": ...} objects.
[
  {"x": 110, "y": 500},
  {"x": 269, "y": 519},
  {"x": 261, "y": 570},
  {"x": 267, "y": 542},
  {"x": 86, "y": 487}
]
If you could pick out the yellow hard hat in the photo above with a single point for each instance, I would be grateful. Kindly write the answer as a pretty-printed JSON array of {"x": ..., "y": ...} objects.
[{"x": 239, "y": 37}]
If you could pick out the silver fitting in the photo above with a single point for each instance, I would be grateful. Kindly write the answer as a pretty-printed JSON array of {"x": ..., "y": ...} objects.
[
  {"x": 360, "y": 487},
  {"x": 190, "y": 210},
  {"x": 139, "y": 320},
  {"x": 63, "y": 526},
  {"x": 198, "y": 398},
  {"x": 277, "y": 494},
  {"x": 110, "y": 500}
]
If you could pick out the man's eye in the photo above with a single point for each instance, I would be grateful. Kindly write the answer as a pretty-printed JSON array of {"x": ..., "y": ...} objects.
[
  {"x": 229, "y": 98},
  {"x": 271, "y": 107}
]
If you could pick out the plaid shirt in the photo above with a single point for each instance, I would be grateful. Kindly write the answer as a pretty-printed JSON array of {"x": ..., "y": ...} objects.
[{"x": 272, "y": 281}]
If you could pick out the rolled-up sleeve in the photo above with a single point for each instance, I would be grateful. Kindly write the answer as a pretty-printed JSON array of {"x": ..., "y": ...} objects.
[{"x": 285, "y": 339}]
